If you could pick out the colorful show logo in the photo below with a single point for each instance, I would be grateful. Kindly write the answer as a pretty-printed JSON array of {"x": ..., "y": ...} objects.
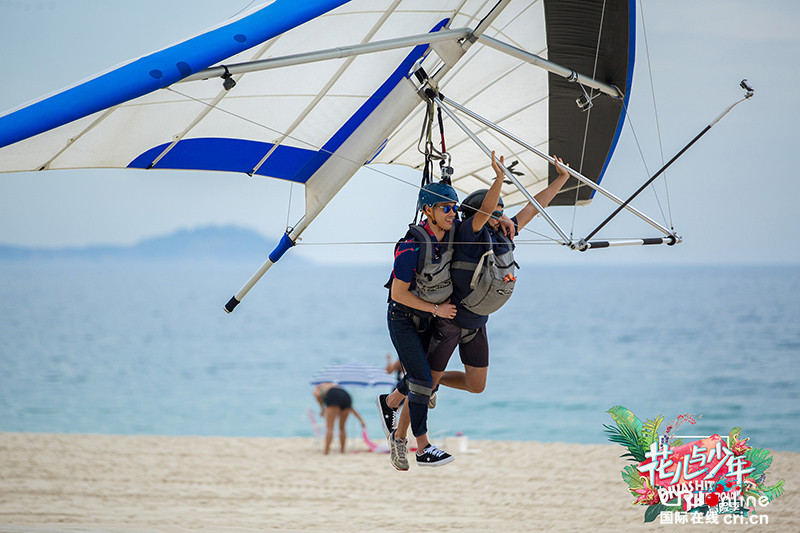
[{"x": 709, "y": 476}]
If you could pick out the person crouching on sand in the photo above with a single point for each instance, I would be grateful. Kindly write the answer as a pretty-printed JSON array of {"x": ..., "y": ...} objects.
[{"x": 335, "y": 402}]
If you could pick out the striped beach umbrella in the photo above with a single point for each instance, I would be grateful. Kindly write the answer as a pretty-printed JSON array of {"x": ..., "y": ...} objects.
[{"x": 353, "y": 373}]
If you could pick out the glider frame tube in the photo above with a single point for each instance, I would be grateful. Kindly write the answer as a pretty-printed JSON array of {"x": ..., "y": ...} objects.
[
  {"x": 331, "y": 53},
  {"x": 549, "y": 66},
  {"x": 577, "y": 175},
  {"x": 286, "y": 242},
  {"x": 590, "y": 245}
]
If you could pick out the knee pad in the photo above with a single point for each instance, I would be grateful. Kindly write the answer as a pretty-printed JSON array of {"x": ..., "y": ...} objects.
[{"x": 419, "y": 391}]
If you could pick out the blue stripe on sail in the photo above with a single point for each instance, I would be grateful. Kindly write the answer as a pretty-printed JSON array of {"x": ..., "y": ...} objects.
[
  {"x": 160, "y": 69},
  {"x": 286, "y": 162},
  {"x": 231, "y": 155},
  {"x": 365, "y": 110},
  {"x": 628, "y": 84}
]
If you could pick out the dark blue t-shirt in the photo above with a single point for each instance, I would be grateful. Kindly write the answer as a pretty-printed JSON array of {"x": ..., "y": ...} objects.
[{"x": 470, "y": 247}]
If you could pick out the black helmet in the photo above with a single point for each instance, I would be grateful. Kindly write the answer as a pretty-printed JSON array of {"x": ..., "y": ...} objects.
[{"x": 472, "y": 203}]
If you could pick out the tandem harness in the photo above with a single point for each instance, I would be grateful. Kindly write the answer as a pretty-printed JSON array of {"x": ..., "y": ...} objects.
[
  {"x": 432, "y": 283},
  {"x": 492, "y": 280}
]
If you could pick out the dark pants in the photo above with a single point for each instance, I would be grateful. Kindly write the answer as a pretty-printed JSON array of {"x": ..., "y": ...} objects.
[
  {"x": 473, "y": 345},
  {"x": 411, "y": 342}
]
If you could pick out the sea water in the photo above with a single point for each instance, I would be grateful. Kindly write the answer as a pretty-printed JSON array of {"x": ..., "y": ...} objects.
[{"x": 146, "y": 348}]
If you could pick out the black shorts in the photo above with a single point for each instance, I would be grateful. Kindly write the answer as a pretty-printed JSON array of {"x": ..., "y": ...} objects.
[
  {"x": 473, "y": 349},
  {"x": 337, "y": 397}
]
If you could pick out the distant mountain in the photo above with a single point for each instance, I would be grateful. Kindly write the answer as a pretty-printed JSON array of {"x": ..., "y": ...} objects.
[{"x": 209, "y": 243}]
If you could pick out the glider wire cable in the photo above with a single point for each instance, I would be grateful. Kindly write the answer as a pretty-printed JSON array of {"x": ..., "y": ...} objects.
[
  {"x": 289, "y": 207},
  {"x": 588, "y": 117},
  {"x": 667, "y": 217},
  {"x": 641, "y": 151},
  {"x": 245, "y": 8},
  {"x": 658, "y": 127},
  {"x": 545, "y": 238}
]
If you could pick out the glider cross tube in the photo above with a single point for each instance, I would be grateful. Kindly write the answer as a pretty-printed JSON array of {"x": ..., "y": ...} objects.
[{"x": 331, "y": 53}]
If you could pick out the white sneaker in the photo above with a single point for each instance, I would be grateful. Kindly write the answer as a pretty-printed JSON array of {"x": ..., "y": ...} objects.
[{"x": 398, "y": 448}]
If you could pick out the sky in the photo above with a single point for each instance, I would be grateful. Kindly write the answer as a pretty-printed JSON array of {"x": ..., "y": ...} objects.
[{"x": 732, "y": 197}]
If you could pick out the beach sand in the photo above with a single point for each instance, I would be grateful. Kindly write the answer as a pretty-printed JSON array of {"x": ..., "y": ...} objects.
[{"x": 93, "y": 483}]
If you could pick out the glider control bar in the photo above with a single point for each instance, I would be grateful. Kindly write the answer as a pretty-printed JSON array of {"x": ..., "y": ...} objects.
[
  {"x": 577, "y": 175},
  {"x": 330, "y": 53},
  {"x": 509, "y": 175},
  {"x": 549, "y": 66},
  {"x": 591, "y": 245},
  {"x": 583, "y": 245}
]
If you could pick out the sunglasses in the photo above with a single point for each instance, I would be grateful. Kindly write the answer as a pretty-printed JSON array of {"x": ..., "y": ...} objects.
[
  {"x": 497, "y": 214},
  {"x": 447, "y": 208}
]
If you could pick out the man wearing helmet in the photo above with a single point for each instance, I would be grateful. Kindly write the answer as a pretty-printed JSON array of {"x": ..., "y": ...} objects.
[
  {"x": 420, "y": 289},
  {"x": 483, "y": 279}
]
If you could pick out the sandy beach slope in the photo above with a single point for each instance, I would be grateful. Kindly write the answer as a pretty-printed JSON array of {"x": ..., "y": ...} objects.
[{"x": 143, "y": 483}]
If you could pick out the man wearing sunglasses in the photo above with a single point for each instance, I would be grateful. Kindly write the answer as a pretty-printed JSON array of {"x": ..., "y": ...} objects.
[
  {"x": 420, "y": 287},
  {"x": 483, "y": 279}
]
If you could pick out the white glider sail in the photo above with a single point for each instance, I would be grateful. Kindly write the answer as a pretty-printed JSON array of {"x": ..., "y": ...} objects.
[{"x": 311, "y": 91}]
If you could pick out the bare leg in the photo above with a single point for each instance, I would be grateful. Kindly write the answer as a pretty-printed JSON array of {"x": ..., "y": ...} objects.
[
  {"x": 473, "y": 379},
  {"x": 342, "y": 429},
  {"x": 331, "y": 413},
  {"x": 403, "y": 422},
  {"x": 394, "y": 399},
  {"x": 437, "y": 376}
]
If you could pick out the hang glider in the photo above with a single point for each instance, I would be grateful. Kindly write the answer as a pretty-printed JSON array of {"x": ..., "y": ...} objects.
[{"x": 311, "y": 91}]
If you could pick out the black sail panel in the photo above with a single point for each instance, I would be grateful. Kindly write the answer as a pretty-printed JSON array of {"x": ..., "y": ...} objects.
[{"x": 573, "y": 29}]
